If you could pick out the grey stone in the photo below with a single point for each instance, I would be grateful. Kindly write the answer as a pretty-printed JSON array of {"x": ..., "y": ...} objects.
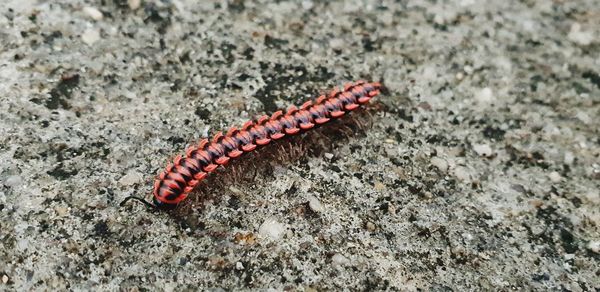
[{"x": 93, "y": 105}]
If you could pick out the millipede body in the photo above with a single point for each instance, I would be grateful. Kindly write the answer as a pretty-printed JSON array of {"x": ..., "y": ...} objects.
[{"x": 181, "y": 176}]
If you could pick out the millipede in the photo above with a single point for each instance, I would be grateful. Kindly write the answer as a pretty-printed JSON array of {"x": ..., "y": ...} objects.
[{"x": 184, "y": 173}]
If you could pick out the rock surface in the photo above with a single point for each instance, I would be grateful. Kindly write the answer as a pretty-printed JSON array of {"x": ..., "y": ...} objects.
[{"x": 93, "y": 102}]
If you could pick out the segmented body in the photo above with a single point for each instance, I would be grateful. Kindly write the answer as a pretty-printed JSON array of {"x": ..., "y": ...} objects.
[{"x": 180, "y": 177}]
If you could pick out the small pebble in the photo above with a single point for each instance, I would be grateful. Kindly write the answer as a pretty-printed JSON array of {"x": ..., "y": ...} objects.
[
  {"x": 22, "y": 244},
  {"x": 132, "y": 177},
  {"x": 93, "y": 12},
  {"x": 90, "y": 36},
  {"x": 248, "y": 238},
  {"x": 339, "y": 260},
  {"x": 134, "y": 4},
  {"x": 236, "y": 191},
  {"x": 427, "y": 195},
  {"x": 537, "y": 229},
  {"x": 569, "y": 158},
  {"x": 468, "y": 69},
  {"x": 271, "y": 229},
  {"x": 307, "y": 5},
  {"x": 4, "y": 279},
  {"x": 462, "y": 173},
  {"x": 379, "y": 186},
  {"x": 328, "y": 155},
  {"x": 315, "y": 204},
  {"x": 239, "y": 266},
  {"x": 584, "y": 117},
  {"x": 580, "y": 37},
  {"x": 467, "y": 236},
  {"x": 439, "y": 19},
  {"x": 536, "y": 203},
  {"x": 483, "y": 150},
  {"x": 485, "y": 96},
  {"x": 425, "y": 105},
  {"x": 391, "y": 209},
  {"x": 554, "y": 177},
  {"x": 371, "y": 226},
  {"x": 593, "y": 196},
  {"x": 439, "y": 163},
  {"x": 336, "y": 43},
  {"x": 594, "y": 246},
  {"x": 429, "y": 73},
  {"x": 61, "y": 211},
  {"x": 13, "y": 181}
]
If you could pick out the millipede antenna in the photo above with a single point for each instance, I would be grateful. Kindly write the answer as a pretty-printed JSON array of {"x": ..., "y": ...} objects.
[{"x": 141, "y": 200}]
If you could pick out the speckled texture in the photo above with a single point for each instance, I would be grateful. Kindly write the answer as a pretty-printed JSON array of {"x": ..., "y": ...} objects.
[{"x": 481, "y": 169}]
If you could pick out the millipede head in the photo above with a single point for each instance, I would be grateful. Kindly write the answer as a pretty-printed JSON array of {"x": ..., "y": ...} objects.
[{"x": 161, "y": 205}]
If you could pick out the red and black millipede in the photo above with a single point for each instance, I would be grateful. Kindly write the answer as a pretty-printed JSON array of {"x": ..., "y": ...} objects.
[{"x": 181, "y": 176}]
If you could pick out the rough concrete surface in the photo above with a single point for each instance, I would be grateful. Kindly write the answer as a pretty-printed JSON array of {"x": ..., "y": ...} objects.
[{"x": 479, "y": 170}]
